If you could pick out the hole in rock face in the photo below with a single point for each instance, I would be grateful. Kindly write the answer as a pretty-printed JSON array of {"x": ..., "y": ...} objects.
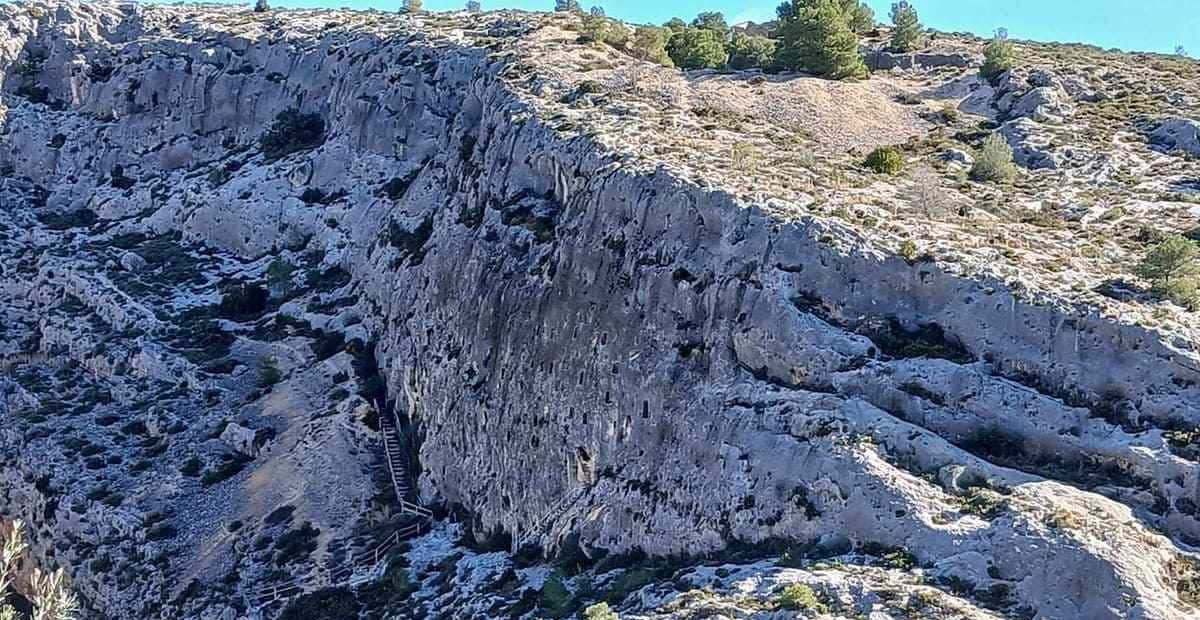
[{"x": 585, "y": 469}]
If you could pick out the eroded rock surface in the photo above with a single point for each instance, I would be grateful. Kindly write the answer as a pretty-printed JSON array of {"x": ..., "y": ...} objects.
[{"x": 595, "y": 349}]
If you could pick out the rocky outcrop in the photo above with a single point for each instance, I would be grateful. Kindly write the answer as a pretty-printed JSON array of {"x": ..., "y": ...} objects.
[
  {"x": 586, "y": 350},
  {"x": 1177, "y": 134}
]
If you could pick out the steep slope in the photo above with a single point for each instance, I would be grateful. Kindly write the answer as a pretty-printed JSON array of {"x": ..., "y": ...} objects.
[{"x": 595, "y": 347}]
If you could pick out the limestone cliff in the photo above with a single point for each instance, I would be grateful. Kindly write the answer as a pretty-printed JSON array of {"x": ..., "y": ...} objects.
[{"x": 599, "y": 340}]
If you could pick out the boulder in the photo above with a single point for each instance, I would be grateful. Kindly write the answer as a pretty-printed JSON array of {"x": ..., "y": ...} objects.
[
  {"x": 958, "y": 158},
  {"x": 880, "y": 60},
  {"x": 1177, "y": 134},
  {"x": 1044, "y": 104},
  {"x": 131, "y": 261},
  {"x": 241, "y": 439},
  {"x": 1031, "y": 148}
]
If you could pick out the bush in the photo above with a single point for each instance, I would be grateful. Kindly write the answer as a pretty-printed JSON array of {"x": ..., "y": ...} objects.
[
  {"x": 600, "y": 611},
  {"x": 1171, "y": 268},
  {"x": 749, "y": 51},
  {"x": 995, "y": 161},
  {"x": 268, "y": 372},
  {"x": 799, "y": 597},
  {"x": 998, "y": 57},
  {"x": 819, "y": 39},
  {"x": 321, "y": 605},
  {"x": 650, "y": 44},
  {"x": 244, "y": 302},
  {"x": 291, "y": 132},
  {"x": 743, "y": 156},
  {"x": 697, "y": 48},
  {"x": 885, "y": 160},
  {"x": 906, "y": 35},
  {"x": 555, "y": 598},
  {"x": 908, "y": 251}
]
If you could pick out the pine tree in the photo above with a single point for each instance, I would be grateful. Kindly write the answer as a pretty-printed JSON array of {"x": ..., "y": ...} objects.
[
  {"x": 473, "y": 6},
  {"x": 998, "y": 57},
  {"x": 1171, "y": 268},
  {"x": 261, "y": 6},
  {"x": 907, "y": 35},
  {"x": 819, "y": 39},
  {"x": 747, "y": 51},
  {"x": 597, "y": 11},
  {"x": 859, "y": 16},
  {"x": 413, "y": 6},
  {"x": 697, "y": 48},
  {"x": 567, "y": 6},
  {"x": 712, "y": 21},
  {"x": 650, "y": 43}
]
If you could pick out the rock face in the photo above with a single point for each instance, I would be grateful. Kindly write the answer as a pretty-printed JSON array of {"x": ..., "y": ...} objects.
[
  {"x": 588, "y": 352},
  {"x": 1181, "y": 134}
]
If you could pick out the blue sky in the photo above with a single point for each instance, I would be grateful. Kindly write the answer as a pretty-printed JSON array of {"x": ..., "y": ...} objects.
[{"x": 1143, "y": 25}]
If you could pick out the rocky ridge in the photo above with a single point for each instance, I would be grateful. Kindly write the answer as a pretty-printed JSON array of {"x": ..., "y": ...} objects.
[{"x": 609, "y": 336}]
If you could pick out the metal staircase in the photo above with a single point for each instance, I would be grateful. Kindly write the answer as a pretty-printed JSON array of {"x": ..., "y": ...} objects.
[{"x": 370, "y": 565}]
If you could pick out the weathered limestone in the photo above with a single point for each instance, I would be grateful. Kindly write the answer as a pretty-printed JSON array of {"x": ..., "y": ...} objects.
[{"x": 683, "y": 365}]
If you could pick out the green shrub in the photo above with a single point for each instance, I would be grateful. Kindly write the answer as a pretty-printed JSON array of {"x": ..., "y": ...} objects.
[
  {"x": 799, "y": 597},
  {"x": 998, "y": 57},
  {"x": 322, "y": 605},
  {"x": 244, "y": 301},
  {"x": 995, "y": 161},
  {"x": 291, "y": 132},
  {"x": 983, "y": 502},
  {"x": 555, "y": 598},
  {"x": 908, "y": 251},
  {"x": 600, "y": 611},
  {"x": 907, "y": 33},
  {"x": 1171, "y": 268},
  {"x": 268, "y": 372},
  {"x": 749, "y": 52},
  {"x": 697, "y": 48},
  {"x": 819, "y": 38},
  {"x": 885, "y": 160}
]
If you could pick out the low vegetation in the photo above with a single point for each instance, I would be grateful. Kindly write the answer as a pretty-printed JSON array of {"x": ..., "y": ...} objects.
[
  {"x": 799, "y": 597},
  {"x": 52, "y": 598},
  {"x": 995, "y": 161},
  {"x": 293, "y": 131},
  {"x": 885, "y": 160}
]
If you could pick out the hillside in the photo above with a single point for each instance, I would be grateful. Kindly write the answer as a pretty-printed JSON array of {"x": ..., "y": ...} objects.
[{"x": 646, "y": 336}]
